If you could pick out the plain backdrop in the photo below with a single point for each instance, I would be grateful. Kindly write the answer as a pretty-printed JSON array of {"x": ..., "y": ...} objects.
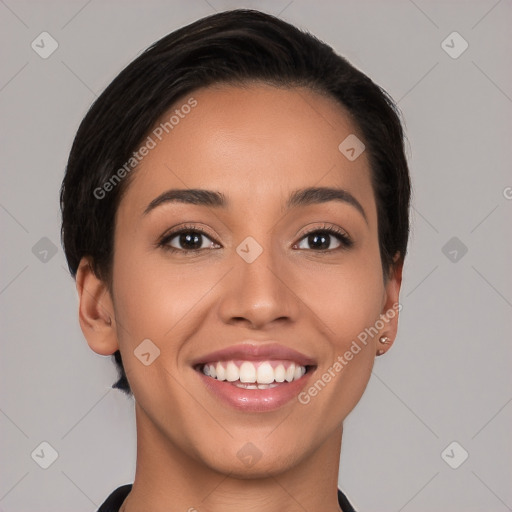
[{"x": 444, "y": 389}]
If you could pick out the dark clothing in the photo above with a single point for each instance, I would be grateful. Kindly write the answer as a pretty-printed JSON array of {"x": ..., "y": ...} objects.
[{"x": 115, "y": 500}]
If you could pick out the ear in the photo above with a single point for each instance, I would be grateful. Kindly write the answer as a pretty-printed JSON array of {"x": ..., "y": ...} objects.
[
  {"x": 96, "y": 311},
  {"x": 390, "y": 307}
]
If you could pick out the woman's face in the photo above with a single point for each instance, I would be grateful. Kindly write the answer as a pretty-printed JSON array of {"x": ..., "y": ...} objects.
[{"x": 257, "y": 278}]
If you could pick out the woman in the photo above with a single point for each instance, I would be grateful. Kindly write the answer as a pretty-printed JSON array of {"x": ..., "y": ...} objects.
[{"x": 235, "y": 212}]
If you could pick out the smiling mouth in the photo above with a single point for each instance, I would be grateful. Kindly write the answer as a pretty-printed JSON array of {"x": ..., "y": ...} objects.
[{"x": 265, "y": 374}]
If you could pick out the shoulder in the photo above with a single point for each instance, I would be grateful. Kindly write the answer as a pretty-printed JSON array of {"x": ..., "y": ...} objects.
[
  {"x": 115, "y": 500},
  {"x": 344, "y": 503}
]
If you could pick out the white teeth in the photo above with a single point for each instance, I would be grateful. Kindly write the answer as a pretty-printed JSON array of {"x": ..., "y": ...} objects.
[
  {"x": 290, "y": 373},
  {"x": 221, "y": 372},
  {"x": 232, "y": 372},
  {"x": 265, "y": 373},
  {"x": 247, "y": 372},
  {"x": 255, "y": 386},
  {"x": 279, "y": 373},
  {"x": 249, "y": 376}
]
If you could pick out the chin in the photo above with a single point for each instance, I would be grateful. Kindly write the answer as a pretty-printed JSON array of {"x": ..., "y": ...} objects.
[{"x": 249, "y": 462}]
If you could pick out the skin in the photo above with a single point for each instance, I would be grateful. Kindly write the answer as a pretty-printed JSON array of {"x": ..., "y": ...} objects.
[{"x": 254, "y": 144}]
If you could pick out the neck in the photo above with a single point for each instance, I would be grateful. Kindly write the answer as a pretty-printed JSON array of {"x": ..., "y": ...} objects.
[{"x": 169, "y": 477}]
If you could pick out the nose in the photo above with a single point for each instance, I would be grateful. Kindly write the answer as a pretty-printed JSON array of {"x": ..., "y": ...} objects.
[{"x": 258, "y": 294}]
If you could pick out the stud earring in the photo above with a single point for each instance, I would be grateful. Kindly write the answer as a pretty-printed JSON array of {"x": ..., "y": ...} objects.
[
  {"x": 380, "y": 352},
  {"x": 384, "y": 339}
]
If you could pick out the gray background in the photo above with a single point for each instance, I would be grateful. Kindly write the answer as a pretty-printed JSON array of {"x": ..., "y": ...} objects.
[{"x": 447, "y": 377}]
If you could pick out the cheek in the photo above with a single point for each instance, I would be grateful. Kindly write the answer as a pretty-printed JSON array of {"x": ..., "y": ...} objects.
[
  {"x": 346, "y": 298},
  {"x": 158, "y": 298},
  {"x": 347, "y": 302}
]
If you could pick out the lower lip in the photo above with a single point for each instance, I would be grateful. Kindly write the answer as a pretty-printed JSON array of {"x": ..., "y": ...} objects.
[{"x": 255, "y": 400}]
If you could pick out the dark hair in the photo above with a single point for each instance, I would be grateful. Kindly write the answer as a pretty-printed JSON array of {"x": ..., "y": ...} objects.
[{"x": 232, "y": 47}]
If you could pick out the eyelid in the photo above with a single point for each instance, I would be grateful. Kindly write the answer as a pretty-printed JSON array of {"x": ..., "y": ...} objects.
[
  {"x": 326, "y": 226},
  {"x": 186, "y": 227}
]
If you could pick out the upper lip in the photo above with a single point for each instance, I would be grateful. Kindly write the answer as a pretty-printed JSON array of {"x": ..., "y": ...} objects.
[{"x": 252, "y": 351}]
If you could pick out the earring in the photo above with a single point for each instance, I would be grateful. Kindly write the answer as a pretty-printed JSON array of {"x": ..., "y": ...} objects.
[{"x": 384, "y": 340}]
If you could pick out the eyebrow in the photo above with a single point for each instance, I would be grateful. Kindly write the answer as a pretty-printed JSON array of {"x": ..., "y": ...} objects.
[{"x": 212, "y": 198}]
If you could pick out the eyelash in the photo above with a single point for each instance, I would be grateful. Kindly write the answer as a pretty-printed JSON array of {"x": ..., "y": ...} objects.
[{"x": 344, "y": 239}]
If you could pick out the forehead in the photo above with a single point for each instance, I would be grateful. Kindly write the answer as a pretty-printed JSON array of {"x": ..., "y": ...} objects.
[{"x": 254, "y": 143}]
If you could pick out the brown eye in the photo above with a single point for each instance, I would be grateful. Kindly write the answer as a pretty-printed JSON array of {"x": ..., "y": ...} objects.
[
  {"x": 320, "y": 239},
  {"x": 187, "y": 240}
]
